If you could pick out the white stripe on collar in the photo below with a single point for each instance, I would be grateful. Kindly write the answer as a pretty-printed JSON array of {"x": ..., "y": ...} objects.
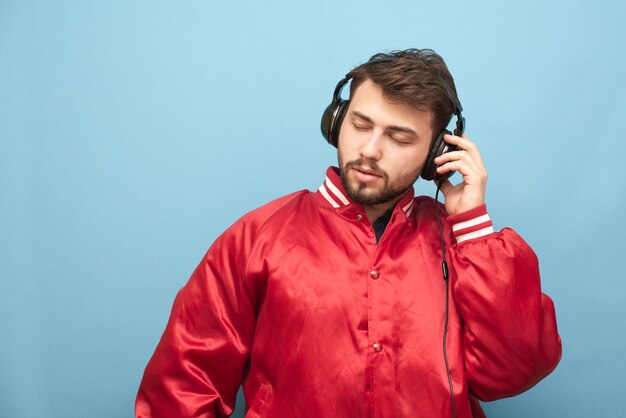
[
  {"x": 408, "y": 208},
  {"x": 324, "y": 193},
  {"x": 336, "y": 191},
  {"x": 336, "y": 197}
]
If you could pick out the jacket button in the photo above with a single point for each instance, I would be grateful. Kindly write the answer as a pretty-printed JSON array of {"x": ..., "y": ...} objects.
[
  {"x": 359, "y": 217},
  {"x": 374, "y": 274},
  {"x": 378, "y": 347}
]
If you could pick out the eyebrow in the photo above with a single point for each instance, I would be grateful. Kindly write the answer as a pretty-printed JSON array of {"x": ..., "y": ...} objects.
[{"x": 390, "y": 128}]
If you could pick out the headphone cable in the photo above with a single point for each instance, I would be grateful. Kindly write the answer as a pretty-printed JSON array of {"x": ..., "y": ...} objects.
[{"x": 444, "y": 269}]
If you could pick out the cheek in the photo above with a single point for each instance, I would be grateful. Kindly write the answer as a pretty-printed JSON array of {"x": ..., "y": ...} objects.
[
  {"x": 421, "y": 155},
  {"x": 410, "y": 168},
  {"x": 411, "y": 161},
  {"x": 346, "y": 148},
  {"x": 344, "y": 155}
]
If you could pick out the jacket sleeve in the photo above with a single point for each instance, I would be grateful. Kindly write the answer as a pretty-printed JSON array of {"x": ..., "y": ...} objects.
[
  {"x": 510, "y": 338},
  {"x": 198, "y": 365},
  {"x": 200, "y": 361}
]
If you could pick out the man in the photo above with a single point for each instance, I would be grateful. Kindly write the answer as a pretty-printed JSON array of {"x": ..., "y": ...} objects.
[{"x": 333, "y": 303}]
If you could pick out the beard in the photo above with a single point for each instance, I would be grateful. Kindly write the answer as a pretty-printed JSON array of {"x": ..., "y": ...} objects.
[{"x": 365, "y": 195}]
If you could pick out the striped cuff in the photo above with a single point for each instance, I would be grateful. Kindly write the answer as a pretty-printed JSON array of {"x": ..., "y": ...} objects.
[{"x": 473, "y": 223}]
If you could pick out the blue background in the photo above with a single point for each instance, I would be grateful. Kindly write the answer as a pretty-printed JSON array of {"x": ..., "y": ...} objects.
[{"x": 133, "y": 133}]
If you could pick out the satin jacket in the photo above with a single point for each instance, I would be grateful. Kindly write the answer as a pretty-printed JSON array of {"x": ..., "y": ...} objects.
[{"x": 297, "y": 302}]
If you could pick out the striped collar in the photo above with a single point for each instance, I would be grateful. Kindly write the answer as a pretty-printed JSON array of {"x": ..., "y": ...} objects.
[{"x": 332, "y": 192}]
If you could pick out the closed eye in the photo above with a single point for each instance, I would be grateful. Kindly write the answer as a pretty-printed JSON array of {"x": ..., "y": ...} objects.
[
  {"x": 360, "y": 126},
  {"x": 400, "y": 139}
]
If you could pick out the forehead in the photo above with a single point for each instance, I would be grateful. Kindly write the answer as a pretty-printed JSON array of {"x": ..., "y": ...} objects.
[{"x": 368, "y": 99}]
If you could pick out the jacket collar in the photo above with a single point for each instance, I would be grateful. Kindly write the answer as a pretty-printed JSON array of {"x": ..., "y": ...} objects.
[{"x": 332, "y": 193}]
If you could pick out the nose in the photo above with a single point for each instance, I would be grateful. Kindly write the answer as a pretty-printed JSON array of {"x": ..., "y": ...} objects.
[{"x": 371, "y": 149}]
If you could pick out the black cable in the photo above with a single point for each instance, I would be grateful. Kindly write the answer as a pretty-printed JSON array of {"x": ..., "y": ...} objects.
[{"x": 444, "y": 269}]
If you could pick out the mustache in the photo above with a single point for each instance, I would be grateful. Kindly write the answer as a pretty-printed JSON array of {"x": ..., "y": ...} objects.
[{"x": 372, "y": 165}]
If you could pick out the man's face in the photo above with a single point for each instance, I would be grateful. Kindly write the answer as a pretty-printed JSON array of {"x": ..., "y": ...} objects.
[{"x": 382, "y": 146}]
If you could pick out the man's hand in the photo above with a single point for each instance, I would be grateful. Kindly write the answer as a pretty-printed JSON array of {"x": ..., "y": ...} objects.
[{"x": 467, "y": 160}]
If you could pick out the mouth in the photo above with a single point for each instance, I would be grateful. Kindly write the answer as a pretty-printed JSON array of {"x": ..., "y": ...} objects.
[
  {"x": 366, "y": 170},
  {"x": 365, "y": 174}
]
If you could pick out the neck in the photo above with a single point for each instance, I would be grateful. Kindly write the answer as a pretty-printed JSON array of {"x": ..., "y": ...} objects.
[{"x": 374, "y": 212}]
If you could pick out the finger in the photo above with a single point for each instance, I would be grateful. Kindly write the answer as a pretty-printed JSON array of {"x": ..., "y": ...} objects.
[
  {"x": 453, "y": 166},
  {"x": 454, "y": 139},
  {"x": 463, "y": 156},
  {"x": 465, "y": 166},
  {"x": 464, "y": 143},
  {"x": 470, "y": 176}
]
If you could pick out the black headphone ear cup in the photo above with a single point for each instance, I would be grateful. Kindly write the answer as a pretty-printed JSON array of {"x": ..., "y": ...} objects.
[
  {"x": 439, "y": 147},
  {"x": 327, "y": 120},
  {"x": 332, "y": 119},
  {"x": 341, "y": 113}
]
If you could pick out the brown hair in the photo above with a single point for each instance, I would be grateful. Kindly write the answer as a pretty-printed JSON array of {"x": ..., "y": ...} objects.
[{"x": 415, "y": 77}]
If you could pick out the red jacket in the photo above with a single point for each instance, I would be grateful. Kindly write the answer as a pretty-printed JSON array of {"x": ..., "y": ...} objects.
[{"x": 299, "y": 303}]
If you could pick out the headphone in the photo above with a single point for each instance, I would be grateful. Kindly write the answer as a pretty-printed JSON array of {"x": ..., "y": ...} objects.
[{"x": 336, "y": 111}]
